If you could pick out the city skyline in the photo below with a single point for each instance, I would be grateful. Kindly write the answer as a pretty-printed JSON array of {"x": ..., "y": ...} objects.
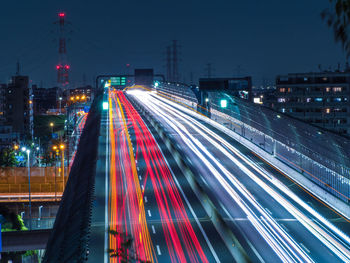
[{"x": 261, "y": 40}]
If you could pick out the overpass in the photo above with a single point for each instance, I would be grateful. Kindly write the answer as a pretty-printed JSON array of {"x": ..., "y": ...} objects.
[{"x": 158, "y": 179}]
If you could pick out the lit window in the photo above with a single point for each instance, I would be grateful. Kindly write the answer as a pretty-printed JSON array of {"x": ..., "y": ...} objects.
[
  {"x": 283, "y": 110},
  {"x": 282, "y": 89},
  {"x": 281, "y": 100},
  {"x": 324, "y": 79},
  {"x": 328, "y": 89},
  {"x": 308, "y": 99},
  {"x": 305, "y": 79},
  {"x": 318, "y": 99},
  {"x": 337, "y": 99},
  {"x": 337, "y": 89},
  {"x": 328, "y": 110}
]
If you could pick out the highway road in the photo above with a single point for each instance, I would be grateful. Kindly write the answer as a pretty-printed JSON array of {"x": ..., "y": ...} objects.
[
  {"x": 276, "y": 223},
  {"x": 151, "y": 215}
]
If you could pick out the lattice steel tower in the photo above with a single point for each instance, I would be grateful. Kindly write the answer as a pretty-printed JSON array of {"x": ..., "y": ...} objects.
[{"x": 62, "y": 67}]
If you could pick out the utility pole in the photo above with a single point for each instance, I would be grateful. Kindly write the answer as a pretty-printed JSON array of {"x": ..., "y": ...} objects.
[
  {"x": 17, "y": 68},
  {"x": 209, "y": 70}
]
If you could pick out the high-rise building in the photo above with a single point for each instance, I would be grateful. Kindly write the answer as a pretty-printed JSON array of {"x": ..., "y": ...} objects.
[
  {"x": 18, "y": 107},
  {"x": 44, "y": 99},
  {"x": 322, "y": 99}
]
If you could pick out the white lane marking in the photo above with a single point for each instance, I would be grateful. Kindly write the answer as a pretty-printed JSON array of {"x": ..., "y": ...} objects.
[
  {"x": 142, "y": 187},
  {"x": 149, "y": 213},
  {"x": 153, "y": 229},
  {"x": 212, "y": 250},
  {"x": 304, "y": 247},
  {"x": 158, "y": 250},
  {"x": 268, "y": 211},
  {"x": 140, "y": 177},
  {"x": 137, "y": 168},
  {"x": 146, "y": 199}
]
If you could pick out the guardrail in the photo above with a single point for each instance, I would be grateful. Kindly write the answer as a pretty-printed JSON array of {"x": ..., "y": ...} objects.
[
  {"x": 329, "y": 172},
  {"x": 69, "y": 239}
]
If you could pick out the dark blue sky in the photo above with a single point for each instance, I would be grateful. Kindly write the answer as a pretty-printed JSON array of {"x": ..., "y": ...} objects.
[{"x": 265, "y": 38}]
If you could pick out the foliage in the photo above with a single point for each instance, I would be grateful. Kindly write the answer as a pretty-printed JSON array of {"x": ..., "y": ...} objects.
[
  {"x": 125, "y": 253},
  {"x": 10, "y": 221},
  {"x": 7, "y": 157},
  {"x": 338, "y": 17}
]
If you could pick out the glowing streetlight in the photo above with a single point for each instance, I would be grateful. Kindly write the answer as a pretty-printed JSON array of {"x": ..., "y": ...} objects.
[{"x": 24, "y": 149}]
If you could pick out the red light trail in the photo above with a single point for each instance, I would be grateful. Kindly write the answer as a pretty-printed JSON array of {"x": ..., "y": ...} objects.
[{"x": 127, "y": 212}]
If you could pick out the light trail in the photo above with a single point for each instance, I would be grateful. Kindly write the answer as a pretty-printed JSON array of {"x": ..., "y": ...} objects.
[
  {"x": 166, "y": 110},
  {"x": 127, "y": 211}
]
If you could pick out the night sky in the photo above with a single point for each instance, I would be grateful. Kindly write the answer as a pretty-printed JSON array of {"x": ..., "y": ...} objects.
[{"x": 264, "y": 38}]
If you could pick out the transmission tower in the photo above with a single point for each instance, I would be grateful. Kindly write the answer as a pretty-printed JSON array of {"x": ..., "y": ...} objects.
[
  {"x": 62, "y": 67},
  {"x": 169, "y": 72},
  {"x": 175, "y": 61}
]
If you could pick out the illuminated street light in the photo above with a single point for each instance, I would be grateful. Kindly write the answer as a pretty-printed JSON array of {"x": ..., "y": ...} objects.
[
  {"x": 223, "y": 103},
  {"x": 24, "y": 149},
  {"x": 105, "y": 105},
  {"x": 16, "y": 147}
]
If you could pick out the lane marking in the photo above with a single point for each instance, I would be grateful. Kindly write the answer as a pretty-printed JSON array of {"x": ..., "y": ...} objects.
[
  {"x": 268, "y": 211},
  {"x": 212, "y": 250},
  {"x": 140, "y": 177},
  {"x": 153, "y": 229},
  {"x": 304, "y": 247},
  {"x": 158, "y": 249},
  {"x": 146, "y": 199},
  {"x": 142, "y": 187},
  {"x": 149, "y": 213}
]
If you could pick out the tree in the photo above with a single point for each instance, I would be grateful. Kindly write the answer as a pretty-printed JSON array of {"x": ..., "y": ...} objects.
[
  {"x": 338, "y": 17},
  {"x": 7, "y": 157}
]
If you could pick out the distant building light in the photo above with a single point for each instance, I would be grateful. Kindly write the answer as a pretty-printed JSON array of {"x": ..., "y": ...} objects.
[
  {"x": 278, "y": 116},
  {"x": 206, "y": 99},
  {"x": 257, "y": 100},
  {"x": 328, "y": 110},
  {"x": 318, "y": 99},
  {"x": 283, "y": 110}
]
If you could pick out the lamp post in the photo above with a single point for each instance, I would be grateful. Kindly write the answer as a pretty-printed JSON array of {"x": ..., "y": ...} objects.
[
  {"x": 60, "y": 99},
  {"x": 55, "y": 154},
  {"x": 24, "y": 149},
  {"x": 51, "y": 125},
  {"x": 62, "y": 147}
]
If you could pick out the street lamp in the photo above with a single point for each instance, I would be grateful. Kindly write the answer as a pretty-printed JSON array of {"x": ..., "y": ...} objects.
[
  {"x": 51, "y": 125},
  {"x": 62, "y": 147},
  {"x": 24, "y": 149},
  {"x": 60, "y": 99}
]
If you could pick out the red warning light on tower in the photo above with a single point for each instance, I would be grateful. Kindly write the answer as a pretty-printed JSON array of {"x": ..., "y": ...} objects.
[
  {"x": 61, "y": 14},
  {"x": 67, "y": 66}
]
